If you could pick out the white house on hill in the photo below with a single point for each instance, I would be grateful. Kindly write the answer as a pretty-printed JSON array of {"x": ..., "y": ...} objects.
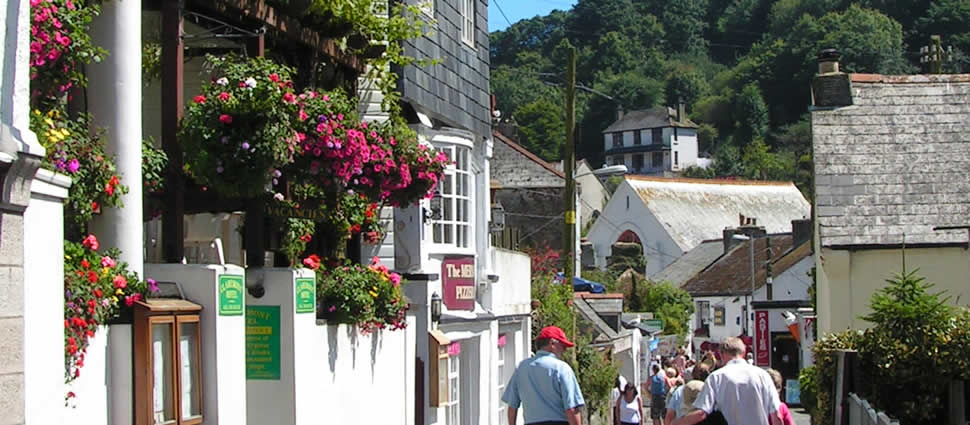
[
  {"x": 655, "y": 141},
  {"x": 670, "y": 216}
]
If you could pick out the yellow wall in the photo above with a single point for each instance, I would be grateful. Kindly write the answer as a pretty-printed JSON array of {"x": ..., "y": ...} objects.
[{"x": 847, "y": 279}]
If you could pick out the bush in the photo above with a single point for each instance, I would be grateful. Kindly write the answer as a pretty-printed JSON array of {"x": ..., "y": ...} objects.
[
  {"x": 808, "y": 383},
  {"x": 824, "y": 352}
]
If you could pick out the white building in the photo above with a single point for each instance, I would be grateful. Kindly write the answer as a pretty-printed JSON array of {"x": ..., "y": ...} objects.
[
  {"x": 655, "y": 141},
  {"x": 671, "y": 216},
  {"x": 722, "y": 293}
]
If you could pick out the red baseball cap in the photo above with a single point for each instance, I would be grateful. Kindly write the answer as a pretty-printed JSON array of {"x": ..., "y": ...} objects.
[{"x": 553, "y": 332}]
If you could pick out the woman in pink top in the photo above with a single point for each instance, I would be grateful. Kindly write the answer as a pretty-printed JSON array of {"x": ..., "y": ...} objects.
[{"x": 786, "y": 418}]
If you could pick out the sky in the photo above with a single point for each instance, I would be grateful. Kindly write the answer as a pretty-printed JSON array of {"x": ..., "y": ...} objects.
[{"x": 517, "y": 10}]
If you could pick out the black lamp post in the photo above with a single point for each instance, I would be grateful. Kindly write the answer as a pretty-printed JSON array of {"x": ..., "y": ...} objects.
[{"x": 435, "y": 307}]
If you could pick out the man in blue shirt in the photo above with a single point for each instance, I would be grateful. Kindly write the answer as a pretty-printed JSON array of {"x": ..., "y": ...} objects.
[
  {"x": 545, "y": 384},
  {"x": 658, "y": 394}
]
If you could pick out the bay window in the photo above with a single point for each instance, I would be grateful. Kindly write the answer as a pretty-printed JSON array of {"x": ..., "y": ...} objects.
[{"x": 454, "y": 225}]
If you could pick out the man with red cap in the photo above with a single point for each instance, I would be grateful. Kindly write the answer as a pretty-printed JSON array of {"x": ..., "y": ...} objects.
[{"x": 545, "y": 385}]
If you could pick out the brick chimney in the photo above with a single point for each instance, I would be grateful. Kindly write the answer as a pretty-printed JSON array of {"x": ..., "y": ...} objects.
[
  {"x": 620, "y": 112},
  {"x": 830, "y": 87},
  {"x": 750, "y": 230}
]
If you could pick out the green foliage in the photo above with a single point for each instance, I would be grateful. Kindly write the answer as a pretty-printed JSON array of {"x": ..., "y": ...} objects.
[
  {"x": 596, "y": 375},
  {"x": 913, "y": 331},
  {"x": 824, "y": 354},
  {"x": 367, "y": 296},
  {"x": 672, "y": 304},
  {"x": 153, "y": 164},
  {"x": 542, "y": 128},
  {"x": 696, "y": 172},
  {"x": 808, "y": 385}
]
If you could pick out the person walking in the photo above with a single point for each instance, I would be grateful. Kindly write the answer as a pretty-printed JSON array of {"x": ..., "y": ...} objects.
[
  {"x": 658, "y": 394},
  {"x": 616, "y": 393},
  {"x": 629, "y": 408},
  {"x": 743, "y": 393},
  {"x": 786, "y": 418},
  {"x": 676, "y": 399},
  {"x": 544, "y": 385}
]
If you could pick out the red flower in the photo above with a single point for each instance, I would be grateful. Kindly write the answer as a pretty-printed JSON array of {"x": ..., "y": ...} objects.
[
  {"x": 94, "y": 205},
  {"x": 224, "y": 96},
  {"x": 114, "y": 181},
  {"x": 85, "y": 264},
  {"x": 199, "y": 99},
  {"x": 91, "y": 242},
  {"x": 355, "y": 228},
  {"x": 225, "y": 119},
  {"x": 274, "y": 78},
  {"x": 92, "y": 277},
  {"x": 306, "y": 238},
  {"x": 109, "y": 189},
  {"x": 289, "y": 98},
  {"x": 120, "y": 282},
  {"x": 313, "y": 261},
  {"x": 98, "y": 293}
]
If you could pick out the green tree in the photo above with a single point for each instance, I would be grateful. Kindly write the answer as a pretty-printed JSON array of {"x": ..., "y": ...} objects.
[
  {"x": 672, "y": 304},
  {"x": 762, "y": 164},
  {"x": 685, "y": 85},
  {"x": 751, "y": 115},
  {"x": 685, "y": 24},
  {"x": 542, "y": 129}
]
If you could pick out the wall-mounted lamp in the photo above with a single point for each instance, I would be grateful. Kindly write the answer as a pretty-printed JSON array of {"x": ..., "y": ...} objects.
[
  {"x": 435, "y": 307},
  {"x": 498, "y": 218},
  {"x": 433, "y": 212}
]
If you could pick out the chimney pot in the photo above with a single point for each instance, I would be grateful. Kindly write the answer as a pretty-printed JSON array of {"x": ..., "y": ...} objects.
[{"x": 828, "y": 61}]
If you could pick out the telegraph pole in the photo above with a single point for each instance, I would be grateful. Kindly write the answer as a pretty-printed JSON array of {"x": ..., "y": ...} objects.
[{"x": 569, "y": 162}]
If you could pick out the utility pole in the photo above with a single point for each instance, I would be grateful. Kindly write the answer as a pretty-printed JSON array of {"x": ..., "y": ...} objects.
[
  {"x": 569, "y": 162},
  {"x": 933, "y": 55},
  {"x": 768, "y": 276}
]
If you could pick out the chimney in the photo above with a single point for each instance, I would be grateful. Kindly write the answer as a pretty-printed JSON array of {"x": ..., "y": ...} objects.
[
  {"x": 729, "y": 241},
  {"x": 801, "y": 231},
  {"x": 620, "y": 112},
  {"x": 830, "y": 87},
  {"x": 681, "y": 110}
]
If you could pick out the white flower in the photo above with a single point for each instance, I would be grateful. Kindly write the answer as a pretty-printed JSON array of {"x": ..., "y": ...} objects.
[
  {"x": 222, "y": 81},
  {"x": 278, "y": 196},
  {"x": 251, "y": 82}
]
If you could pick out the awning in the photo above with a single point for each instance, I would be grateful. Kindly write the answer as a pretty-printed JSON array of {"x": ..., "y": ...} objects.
[{"x": 583, "y": 285}]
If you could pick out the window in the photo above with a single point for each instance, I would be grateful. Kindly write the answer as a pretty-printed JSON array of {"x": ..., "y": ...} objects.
[
  {"x": 719, "y": 316},
  {"x": 502, "y": 380},
  {"x": 456, "y": 185},
  {"x": 703, "y": 312},
  {"x": 636, "y": 137},
  {"x": 657, "y": 160},
  {"x": 657, "y": 136},
  {"x": 676, "y": 158},
  {"x": 453, "y": 407},
  {"x": 168, "y": 369},
  {"x": 617, "y": 140},
  {"x": 468, "y": 22},
  {"x": 675, "y": 133},
  {"x": 637, "y": 162}
]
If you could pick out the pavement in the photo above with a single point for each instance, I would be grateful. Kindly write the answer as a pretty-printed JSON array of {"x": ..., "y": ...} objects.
[{"x": 800, "y": 416}]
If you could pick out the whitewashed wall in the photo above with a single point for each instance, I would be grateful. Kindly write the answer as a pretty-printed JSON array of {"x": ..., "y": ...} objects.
[
  {"x": 658, "y": 247},
  {"x": 90, "y": 406},
  {"x": 43, "y": 288},
  {"x": 511, "y": 294}
]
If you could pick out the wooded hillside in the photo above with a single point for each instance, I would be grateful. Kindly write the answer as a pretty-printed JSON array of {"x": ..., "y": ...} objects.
[{"x": 742, "y": 67}]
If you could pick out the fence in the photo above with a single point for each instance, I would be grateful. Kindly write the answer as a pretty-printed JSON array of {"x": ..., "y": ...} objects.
[{"x": 860, "y": 413}]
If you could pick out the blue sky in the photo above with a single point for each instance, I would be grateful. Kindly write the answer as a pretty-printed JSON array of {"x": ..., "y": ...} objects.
[{"x": 517, "y": 10}]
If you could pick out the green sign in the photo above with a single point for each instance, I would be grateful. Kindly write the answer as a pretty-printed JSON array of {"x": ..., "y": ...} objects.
[
  {"x": 306, "y": 297},
  {"x": 231, "y": 294},
  {"x": 263, "y": 342},
  {"x": 654, "y": 324}
]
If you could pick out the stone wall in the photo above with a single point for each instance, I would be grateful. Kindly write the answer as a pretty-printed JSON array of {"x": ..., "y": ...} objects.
[{"x": 537, "y": 213}]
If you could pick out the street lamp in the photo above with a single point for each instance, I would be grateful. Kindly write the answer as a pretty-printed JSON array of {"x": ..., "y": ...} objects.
[
  {"x": 751, "y": 254},
  {"x": 435, "y": 308}
]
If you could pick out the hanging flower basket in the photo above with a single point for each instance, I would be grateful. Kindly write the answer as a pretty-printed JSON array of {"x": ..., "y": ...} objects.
[
  {"x": 237, "y": 132},
  {"x": 367, "y": 296},
  {"x": 60, "y": 43}
]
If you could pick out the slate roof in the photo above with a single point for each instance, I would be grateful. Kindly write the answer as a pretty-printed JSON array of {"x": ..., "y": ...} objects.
[
  {"x": 731, "y": 274},
  {"x": 648, "y": 118},
  {"x": 894, "y": 163},
  {"x": 690, "y": 264},
  {"x": 695, "y": 210}
]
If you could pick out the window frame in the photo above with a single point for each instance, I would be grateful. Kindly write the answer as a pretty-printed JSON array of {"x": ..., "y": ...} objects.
[
  {"x": 618, "y": 139},
  {"x": 637, "y": 137},
  {"x": 144, "y": 362},
  {"x": 656, "y": 136},
  {"x": 454, "y": 384},
  {"x": 467, "y": 22},
  {"x": 460, "y": 242}
]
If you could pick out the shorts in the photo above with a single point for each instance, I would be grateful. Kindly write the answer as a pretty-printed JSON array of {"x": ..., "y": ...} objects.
[{"x": 658, "y": 406}]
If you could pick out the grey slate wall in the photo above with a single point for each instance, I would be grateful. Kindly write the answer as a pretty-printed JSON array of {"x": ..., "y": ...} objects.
[
  {"x": 897, "y": 162},
  {"x": 456, "y": 89},
  {"x": 510, "y": 168},
  {"x": 536, "y": 213}
]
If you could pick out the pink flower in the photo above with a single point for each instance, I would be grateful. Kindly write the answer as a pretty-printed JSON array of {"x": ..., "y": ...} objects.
[
  {"x": 152, "y": 285},
  {"x": 199, "y": 99},
  {"x": 108, "y": 262},
  {"x": 120, "y": 282},
  {"x": 313, "y": 261},
  {"x": 224, "y": 96},
  {"x": 91, "y": 242},
  {"x": 73, "y": 165},
  {"x": 274, "y": 78},
  {"x": 289, "y": 98},
  {"x": 225, "y": 119}
]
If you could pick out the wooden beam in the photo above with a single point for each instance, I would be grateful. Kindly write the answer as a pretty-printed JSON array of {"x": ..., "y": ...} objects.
[
  {"x": 288, "y": 26},
  {"x": 173, "y": 212}
]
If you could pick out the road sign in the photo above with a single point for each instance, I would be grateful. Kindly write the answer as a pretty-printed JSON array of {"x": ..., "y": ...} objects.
[{"x": 653, "y": 325}]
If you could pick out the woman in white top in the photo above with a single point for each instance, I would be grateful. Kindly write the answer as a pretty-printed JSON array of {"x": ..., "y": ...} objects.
[{"x": 629, "y": 407}]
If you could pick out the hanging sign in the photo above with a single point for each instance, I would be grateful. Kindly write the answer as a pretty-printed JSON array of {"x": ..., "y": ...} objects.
[
  {"x": 458, "y": 282},
  {"x": 762, "y": 336},
  {"x": 263, "y": 342},
  {"x": 454, "y": 349},
  {"x": 231, "y": 295},
  {"x": 501, "y": 341},
  {"x": 306, "y": 297}
]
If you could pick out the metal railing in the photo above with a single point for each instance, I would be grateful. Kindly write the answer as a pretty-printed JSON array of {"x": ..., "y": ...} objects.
[{"x": 861, "y": 413}]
